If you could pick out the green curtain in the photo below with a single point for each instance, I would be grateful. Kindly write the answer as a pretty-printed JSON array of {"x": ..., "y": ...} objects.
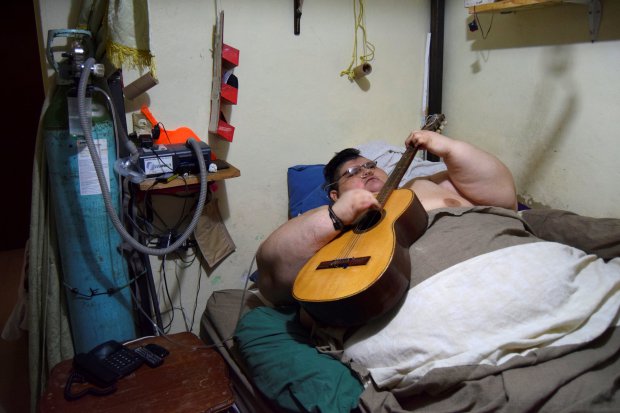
[{"x": 49, "y": 337}]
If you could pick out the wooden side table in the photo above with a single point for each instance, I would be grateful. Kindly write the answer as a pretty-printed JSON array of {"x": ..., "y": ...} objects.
[{"x": 193, "y": 378}]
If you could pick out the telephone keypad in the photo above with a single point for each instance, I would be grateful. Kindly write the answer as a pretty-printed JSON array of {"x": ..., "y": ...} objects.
[{"x": 123, "y": 361}]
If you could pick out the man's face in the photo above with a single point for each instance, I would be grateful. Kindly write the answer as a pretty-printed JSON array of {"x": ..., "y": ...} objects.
[{"x": 365, "y": 176}]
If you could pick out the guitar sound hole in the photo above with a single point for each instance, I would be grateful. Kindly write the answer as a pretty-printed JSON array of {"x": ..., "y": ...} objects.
[{"x": 369, "y": 221}]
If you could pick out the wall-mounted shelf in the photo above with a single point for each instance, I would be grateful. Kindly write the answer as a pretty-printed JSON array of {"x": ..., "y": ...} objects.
[
  {"x": 229, "y": 172},
  {"x": 508, "y": 6},
  {"x": 224, "y": 57},
  {"x": 512, "y": 5}
]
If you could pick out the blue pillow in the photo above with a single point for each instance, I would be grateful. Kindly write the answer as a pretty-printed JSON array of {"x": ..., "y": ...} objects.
[{"x": 305, "y": 189}]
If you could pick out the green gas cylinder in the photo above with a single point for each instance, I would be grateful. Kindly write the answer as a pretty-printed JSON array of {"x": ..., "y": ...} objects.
[{"x": 94, "y": 270}]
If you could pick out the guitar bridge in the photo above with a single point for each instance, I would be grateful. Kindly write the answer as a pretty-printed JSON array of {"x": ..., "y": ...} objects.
[{"x": 343, "y": 263}]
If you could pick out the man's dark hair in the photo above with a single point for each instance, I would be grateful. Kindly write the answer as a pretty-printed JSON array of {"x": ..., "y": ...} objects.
[{"x": 331, "y": 169}]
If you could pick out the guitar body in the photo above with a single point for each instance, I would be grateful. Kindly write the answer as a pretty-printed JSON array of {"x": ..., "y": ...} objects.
[{"x": 365, "y": 271}]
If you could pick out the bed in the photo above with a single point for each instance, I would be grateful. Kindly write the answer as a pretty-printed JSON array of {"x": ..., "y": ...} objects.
[{"x": 483, "y": 328}]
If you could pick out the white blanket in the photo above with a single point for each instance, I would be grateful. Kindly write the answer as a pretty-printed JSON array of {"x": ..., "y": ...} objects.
[{"x": 490, "y": 308}]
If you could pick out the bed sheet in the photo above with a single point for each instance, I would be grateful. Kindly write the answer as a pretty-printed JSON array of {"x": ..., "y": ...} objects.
[
  {"x": 583, "y": 379},
  {"x": 579, "y": 377}
]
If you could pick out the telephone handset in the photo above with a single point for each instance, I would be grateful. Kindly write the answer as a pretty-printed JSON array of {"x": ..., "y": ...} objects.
[{"x": 106, "y": 363}]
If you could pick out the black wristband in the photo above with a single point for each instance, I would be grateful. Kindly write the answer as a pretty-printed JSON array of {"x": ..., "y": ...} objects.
[{"x": 338, "y": 224}]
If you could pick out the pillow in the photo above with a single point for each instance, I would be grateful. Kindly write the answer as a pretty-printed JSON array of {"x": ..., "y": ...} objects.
[
  {"x": 305, "y": 189},
  {"x": 288, "y": 369}
]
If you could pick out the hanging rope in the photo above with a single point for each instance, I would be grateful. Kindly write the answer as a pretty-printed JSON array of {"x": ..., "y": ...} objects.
[{"x": 367, "y": 47}]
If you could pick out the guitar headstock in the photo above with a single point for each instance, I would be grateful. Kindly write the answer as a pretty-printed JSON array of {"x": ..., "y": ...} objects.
[{"x": 435, "y": 122}]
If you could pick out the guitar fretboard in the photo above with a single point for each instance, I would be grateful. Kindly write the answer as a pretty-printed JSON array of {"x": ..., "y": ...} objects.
[
  {"x": 397, "y": 174},
  {"x": 433, "y": 122}
]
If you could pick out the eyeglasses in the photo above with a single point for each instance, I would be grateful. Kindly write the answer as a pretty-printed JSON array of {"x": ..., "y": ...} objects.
[{"x": 355, "y": 170}]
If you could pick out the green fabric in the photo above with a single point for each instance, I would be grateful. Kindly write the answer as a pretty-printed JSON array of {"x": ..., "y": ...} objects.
[
  {"x": 288, "y": 369},
  {"x": 49, "y": 337}
]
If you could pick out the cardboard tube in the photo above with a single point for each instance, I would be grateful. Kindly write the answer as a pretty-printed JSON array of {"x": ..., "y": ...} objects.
[
  {"x": 140, "y": 85},
  {"x": 362, "y": 70}
]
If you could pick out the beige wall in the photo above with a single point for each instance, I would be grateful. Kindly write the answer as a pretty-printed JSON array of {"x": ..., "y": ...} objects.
[
  {"x": 294, "y": 107},
  {"x": 536, "y": 92},
  {"x": 543, "y": 98}
]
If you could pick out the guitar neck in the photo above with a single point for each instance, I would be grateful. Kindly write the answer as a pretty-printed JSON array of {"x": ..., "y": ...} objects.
[
  {"x": 397, "y": 174},
  {"x": 433, "y": 123}
]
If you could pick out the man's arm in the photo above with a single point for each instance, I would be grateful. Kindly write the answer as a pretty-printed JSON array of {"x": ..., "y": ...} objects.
[
  {"x": 475, "y": 174},
  {"x": 286, "y": 250}
]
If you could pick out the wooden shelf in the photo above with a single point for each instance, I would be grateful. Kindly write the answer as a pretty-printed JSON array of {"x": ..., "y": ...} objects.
[
  {"x": 515, "y": 5},
  {"x": 509, "y": 6},
  {"x": 230, "y": 172}
]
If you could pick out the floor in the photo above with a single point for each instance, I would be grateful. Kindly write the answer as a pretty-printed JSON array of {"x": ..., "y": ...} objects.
[{"x": 14, "y": 387}]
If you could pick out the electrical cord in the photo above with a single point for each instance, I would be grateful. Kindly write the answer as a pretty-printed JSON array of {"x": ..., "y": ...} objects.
[
  {"x": 149, "y": 211},
  {"x": 107, "y": 199},
  {"x": 75, "y": 377},
  {"x": 188, "y": 324},
  {"x": 214, "y": 345},
  {"x": 95, "y": 292},
  {"x": 196, "y": 299},
  {"x": 477, "y": 20}
]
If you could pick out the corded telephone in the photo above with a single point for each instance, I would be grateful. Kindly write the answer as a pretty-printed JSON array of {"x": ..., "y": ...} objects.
[{"x": 106, "y": 363}]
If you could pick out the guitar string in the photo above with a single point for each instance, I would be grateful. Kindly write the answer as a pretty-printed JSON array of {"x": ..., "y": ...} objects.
[{"x": 383, "y": 196}]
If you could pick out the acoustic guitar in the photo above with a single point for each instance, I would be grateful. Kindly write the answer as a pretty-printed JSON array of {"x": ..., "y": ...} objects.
[{"x": 365, "y": 271}]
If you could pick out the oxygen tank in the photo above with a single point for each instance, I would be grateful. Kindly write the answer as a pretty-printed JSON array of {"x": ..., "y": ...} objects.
[{"x": 94, "y": 271}]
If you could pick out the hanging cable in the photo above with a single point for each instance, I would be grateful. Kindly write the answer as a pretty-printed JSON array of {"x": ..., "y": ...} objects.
[
  {"x": 368, "y": 48},
  {"x": 107, "y": 198},
  {"x": 479, "y": 25}
]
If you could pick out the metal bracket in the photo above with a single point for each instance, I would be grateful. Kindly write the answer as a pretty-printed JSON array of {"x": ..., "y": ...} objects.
[
  {"x": 594, "y": 15},
  {"x": 594, "y": 18},
  {"x": 297, "y": 7}
]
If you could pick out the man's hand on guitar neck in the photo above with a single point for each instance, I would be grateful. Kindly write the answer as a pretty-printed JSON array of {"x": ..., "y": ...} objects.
[
  {"x": 473, "y": 173},
  {"x": 433, "y": 142}
]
